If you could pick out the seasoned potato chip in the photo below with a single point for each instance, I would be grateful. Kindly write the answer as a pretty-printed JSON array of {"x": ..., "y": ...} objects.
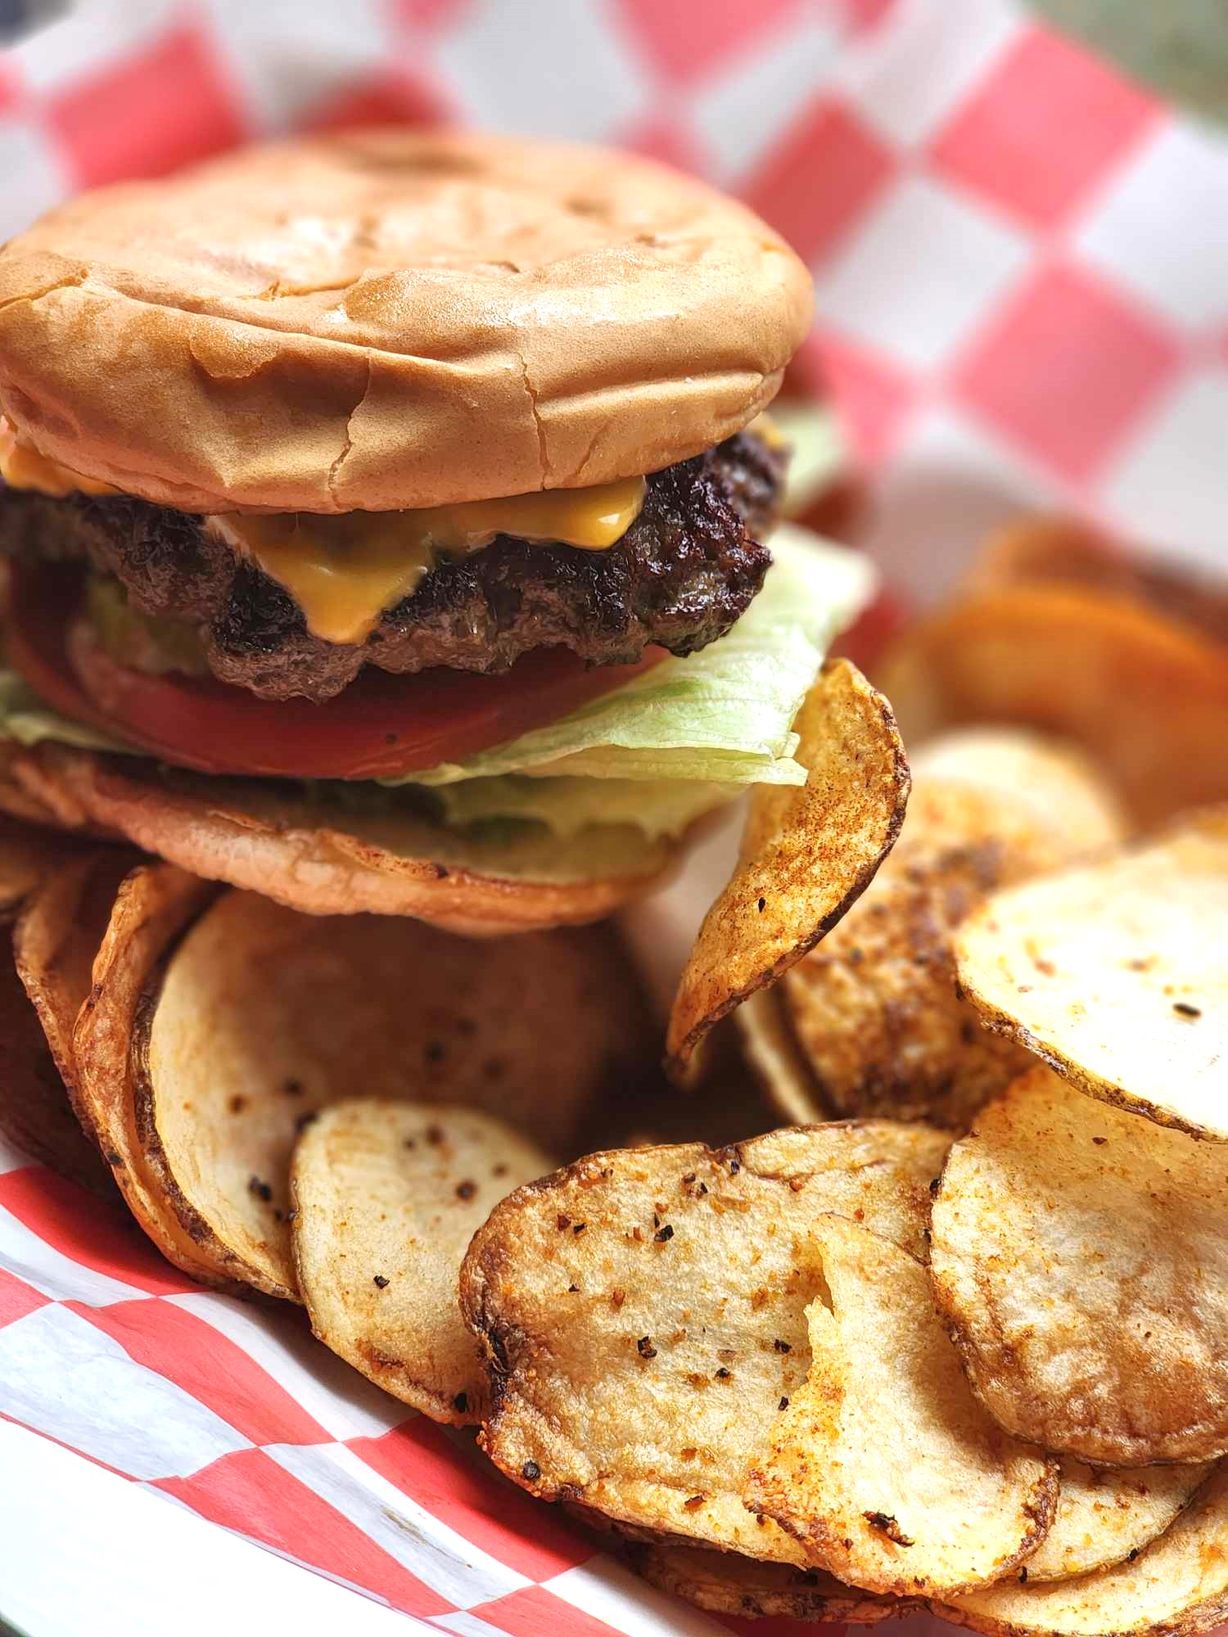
[
  {"x": 55, "y": 939},
  {"x": 34, "y": 1110},
  {"x": 642, "y": 1313},
  {"x": 772, "y": 1050},
  {"x": 153, "y": 906},
  {"x": 726, "y": 1583},
  {"x": 1103, "y": 1517},
  {"x": 884, "y": 1466},
  {"x": 263, "y": 1016},
  {"x": 1081, "y": 1255},
  {"x": 27, "y": 856},
  {"x": 1176, "y": 1587},
  {"x": 807, "y": 854},
  {"x": 1068, "y": 551},
  {"x": 386, "y": 1199},
  {"x": 1143, "y": 693},
  {"x": 1117, "y": 974},
  {"x": 874, "y": 1010},
  {"x": 1051, "y": 785}
]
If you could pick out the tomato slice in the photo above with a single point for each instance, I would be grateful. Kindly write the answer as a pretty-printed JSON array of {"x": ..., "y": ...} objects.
[{"x": 380, "y": 726}]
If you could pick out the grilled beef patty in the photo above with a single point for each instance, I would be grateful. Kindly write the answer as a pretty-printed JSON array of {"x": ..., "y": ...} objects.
[{"x": 680, "y": 576}]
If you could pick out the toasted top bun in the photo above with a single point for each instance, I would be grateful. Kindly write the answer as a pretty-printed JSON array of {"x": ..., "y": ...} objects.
[{"x": 392, "y": 319}]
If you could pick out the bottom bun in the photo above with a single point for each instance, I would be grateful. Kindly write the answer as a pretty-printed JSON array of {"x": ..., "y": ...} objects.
[{"x": 314, "y": 855}]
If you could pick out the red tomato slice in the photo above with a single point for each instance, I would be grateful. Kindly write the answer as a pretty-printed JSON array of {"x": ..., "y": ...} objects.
[{"x": 380, "y": 726}]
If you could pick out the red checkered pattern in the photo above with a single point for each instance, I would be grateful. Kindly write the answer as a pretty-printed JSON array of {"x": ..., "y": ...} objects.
[
  {"x": 234, "y": 1410},
  {"x": 1022, "y": 270}
]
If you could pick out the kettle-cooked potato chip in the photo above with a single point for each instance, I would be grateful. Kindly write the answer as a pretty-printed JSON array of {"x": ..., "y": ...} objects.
[
  {"x": 55, "y": 939},
  {"x": 259, "y": 1016},
  {"x": 642, "y": 1313},
  {"x": 34, "y": 1108},
  {"x": 1117, "y": 973},
  {"x": 1081, "y": 1255},
  {"x": 27, "y": 857},
  {"x": 153, "y": 906},
  {"x": 807, "y": 853},
  {"x": 1068, "y": 551},
  {"x": 1143, "y": 693},
  {"x": 884, "y": 1465},
  {"x": 874, "y": 1010},
  {"x": 726, "y": 1583},
  {"x": 386, "y": 1199},
  {"x": 774, "y": 1054},
  {"x": 1104, "y": 1517},
  {"x": 1176, "y": 1587}
]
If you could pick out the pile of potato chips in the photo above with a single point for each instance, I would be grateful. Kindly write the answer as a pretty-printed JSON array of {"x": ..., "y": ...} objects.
[{"x": 957, "y": 1337}]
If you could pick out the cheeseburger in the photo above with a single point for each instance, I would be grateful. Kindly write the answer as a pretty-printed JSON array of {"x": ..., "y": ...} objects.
[{"x": 386, "y": 521}]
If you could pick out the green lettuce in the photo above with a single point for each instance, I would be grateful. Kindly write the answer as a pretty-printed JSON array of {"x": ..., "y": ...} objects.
[{"x": 568, "y": 806}]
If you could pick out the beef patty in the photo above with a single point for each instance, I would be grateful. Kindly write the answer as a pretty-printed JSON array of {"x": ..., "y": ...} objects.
[{"x": 680, "y": 576}]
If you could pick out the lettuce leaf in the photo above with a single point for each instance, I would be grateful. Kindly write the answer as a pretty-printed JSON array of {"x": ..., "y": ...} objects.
[
  {"x": 569, "y": 806},
  {"x": 721, "y": 716}
]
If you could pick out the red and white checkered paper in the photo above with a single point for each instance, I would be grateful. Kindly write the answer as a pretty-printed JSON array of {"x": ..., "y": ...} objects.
[{"x": 1022, "y": 270}]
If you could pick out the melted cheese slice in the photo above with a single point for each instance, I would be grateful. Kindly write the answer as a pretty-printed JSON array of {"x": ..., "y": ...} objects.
[{"x": 344, "y": 571}]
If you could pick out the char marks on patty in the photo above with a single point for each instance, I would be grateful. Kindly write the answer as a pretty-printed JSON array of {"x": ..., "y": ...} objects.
[{"x": 682, "y": 574}]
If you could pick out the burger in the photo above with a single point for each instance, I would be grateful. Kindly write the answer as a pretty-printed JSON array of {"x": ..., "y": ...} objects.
[{"x": 387, "y": 522}]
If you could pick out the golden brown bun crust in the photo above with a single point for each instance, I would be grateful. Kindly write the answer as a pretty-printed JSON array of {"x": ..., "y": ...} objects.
[
  {"x": 391, "y": 319},
  {"x": 304, "y": 864}
]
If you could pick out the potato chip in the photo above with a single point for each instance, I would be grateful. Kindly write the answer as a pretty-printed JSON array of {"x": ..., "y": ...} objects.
[
  {"x": 262, "y": 1016},
  {"x": 1104, "y": 1517},
  {"x": 35, "y": 1113},
  {"x": 1068, "y": 551},
  {"x": 884, "y": 1466},
  {"x": 387, "y": 1196},
  {"x": 55, "y": 939},
  {"x": 1052, "y": 785},
  {"x": 774, "y": 1055},
  {"x": 26, "y": 857},
  {"x": 726, "y": 1583},
  {"x": 1176, "y": 1586},
  {"x": 153, "y": 906},
  {"x": 874, "y": 1009},
  {"x": 1144, "y": 694},
  {"x": 1081, "y": 1255},
  {"x": 807, "y": 854},
  {"x": 642, "y": 1313},
  {"x": 1117, "y": 974}
]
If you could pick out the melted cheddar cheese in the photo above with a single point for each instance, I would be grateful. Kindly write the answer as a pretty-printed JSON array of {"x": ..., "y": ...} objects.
[{"x": 345, "y": 570}]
